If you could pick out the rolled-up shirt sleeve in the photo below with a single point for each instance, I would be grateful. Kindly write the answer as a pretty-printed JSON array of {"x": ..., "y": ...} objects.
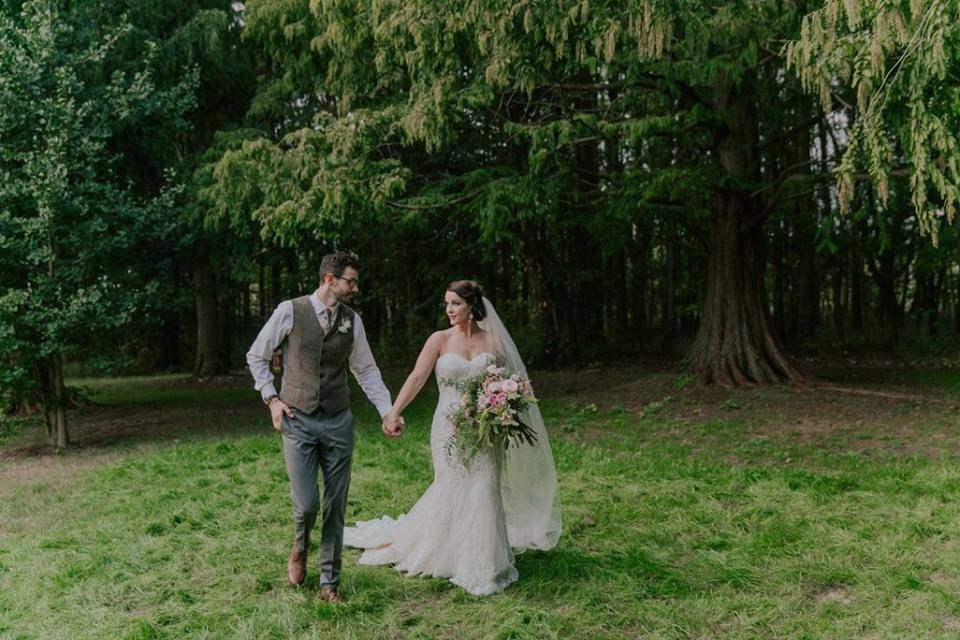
[
  {"x": 271, "y": 336},
  {"x": 365, "y": 370}
]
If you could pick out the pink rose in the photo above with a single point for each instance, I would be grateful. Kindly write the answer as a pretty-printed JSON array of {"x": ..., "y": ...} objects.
[
  {"x": 494, "y": 388},
  {"x": 498, "y": 399},
  {"x": 510, "y": 386}
]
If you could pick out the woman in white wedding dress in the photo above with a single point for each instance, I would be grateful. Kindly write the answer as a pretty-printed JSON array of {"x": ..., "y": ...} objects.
[{"x": 470, "y": 521}]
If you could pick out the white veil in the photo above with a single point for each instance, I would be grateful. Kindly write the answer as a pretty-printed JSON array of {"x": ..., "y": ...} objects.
[{"x": 528, "y": 481}]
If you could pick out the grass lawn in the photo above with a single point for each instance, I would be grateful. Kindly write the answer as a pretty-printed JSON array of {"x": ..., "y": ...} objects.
[{"x": 687, "y": 514}]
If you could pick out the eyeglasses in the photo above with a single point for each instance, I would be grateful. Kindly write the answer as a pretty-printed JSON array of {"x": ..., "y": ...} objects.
[{"x": 353, "y": 282}]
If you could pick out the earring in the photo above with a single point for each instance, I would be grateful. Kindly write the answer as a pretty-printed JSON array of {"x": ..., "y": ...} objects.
[{"x": 471, "y": 315}]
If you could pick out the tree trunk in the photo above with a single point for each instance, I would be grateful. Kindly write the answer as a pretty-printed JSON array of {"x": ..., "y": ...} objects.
[
  {"x": 534, "y": 252},
  {"x": 261, "y": 290},
  {"x": 956, "y": 309},
  {"x": 779, "y": 283},
  {"x": 809, "y": 318},
  {"x": 586, "y": 316},
  {"x": 933, "y": 320},
  {"x": 246, "y": 310},
  {"x": 837, "y": 290},
  {"x": 169, "y": 342},
  {"x": 640, "y": 276},
  {"x": 620, "y": 319},
  {"x": 804, "y": 210},
  {"x": 276, "y": 289},
  {"x": 670, "y": 288},
  {"x": 888, "y": 306},
  {"x": 208, "y": 362},
  {"x": 856, "y": 292},
  {"x": 227, "y": 324},
  {"x": 616, "y": 287},
  {"x": 58, "y": 412},
  {"x": 735, "y": 344}
]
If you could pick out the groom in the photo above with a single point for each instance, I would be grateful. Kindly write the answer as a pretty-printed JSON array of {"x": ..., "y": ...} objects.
[{"x": 321, "y": 337}]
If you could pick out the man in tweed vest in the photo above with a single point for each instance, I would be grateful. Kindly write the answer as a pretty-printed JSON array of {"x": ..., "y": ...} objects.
[{"x": 320, "y": 337}]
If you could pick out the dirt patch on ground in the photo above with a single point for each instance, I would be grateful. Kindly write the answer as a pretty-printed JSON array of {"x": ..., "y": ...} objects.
[{"x": 834, "y": 594}]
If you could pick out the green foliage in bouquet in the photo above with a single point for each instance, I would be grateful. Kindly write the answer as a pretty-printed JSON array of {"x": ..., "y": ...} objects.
[{"x": 479, "y": 425}]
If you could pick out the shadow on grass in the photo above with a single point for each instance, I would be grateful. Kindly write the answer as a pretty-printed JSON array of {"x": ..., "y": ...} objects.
[{"x": 564, "y": 571}]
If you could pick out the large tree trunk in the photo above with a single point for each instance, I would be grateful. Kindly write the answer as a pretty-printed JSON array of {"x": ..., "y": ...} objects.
[
  {"x": 735, "y": 345},
  {"x": 208, "y": 362}
]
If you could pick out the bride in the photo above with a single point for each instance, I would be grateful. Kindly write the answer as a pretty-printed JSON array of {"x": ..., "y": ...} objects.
[{"x": 469, "y": 522}]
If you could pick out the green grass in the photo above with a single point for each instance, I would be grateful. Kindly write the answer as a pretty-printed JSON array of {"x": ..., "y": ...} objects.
[{"x": 711, "y": 532}]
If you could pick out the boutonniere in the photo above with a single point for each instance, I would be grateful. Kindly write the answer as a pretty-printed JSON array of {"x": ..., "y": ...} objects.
[{"x": 344, "y": 325}]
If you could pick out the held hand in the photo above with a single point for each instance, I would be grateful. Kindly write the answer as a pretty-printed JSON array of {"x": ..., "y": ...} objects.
[
  {"x": 277, "y": 409},
  {"x": 398, "y": 424},
  {"x": 392, "y": 425}
]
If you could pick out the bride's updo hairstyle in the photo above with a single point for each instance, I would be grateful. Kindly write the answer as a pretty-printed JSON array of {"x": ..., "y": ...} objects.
[{"x": 471, "y": 293}]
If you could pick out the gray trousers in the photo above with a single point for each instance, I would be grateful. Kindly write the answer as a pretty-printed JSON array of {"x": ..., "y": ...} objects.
[{"x": 311, "y": 442}]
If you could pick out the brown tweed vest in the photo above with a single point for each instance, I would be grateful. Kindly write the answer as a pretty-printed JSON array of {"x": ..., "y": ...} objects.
[{"x": 315, "y": 365}]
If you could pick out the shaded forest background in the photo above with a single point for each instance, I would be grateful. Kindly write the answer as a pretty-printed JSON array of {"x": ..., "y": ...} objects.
[{"x": 734, "y": 183}]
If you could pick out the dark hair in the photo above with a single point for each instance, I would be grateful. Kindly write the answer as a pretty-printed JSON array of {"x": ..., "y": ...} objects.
[
  {"x": 337, "y": 262},
  {"x": 471, "y": 293}
]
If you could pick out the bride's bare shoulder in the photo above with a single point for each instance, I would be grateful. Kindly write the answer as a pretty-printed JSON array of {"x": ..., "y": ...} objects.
[{"x": 438, "y": 338}]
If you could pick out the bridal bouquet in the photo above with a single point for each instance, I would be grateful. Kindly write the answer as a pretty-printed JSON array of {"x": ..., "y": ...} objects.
[{"x": 489, "y": 413}]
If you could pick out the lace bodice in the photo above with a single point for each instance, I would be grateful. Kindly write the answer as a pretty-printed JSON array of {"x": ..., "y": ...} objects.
[{"x": 453, "y": 366}]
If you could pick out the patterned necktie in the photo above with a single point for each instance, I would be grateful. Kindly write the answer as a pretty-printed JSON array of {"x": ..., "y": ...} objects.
[{"x": 327, "y": 319}]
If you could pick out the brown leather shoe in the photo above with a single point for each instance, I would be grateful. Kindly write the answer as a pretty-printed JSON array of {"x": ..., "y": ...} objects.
[
  {"x": 331, "y": 595},
  {"x": 297, "y": 567}
]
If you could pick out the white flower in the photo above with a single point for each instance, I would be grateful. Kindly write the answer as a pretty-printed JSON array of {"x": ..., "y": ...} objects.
[{"x": 344, "y": 325}]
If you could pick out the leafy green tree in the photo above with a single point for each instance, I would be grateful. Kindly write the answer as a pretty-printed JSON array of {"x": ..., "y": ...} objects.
[
  {"x": 70, "y": 228},
  {"x": 559, "y": 130},
  {"x": 901, "y": 62}
]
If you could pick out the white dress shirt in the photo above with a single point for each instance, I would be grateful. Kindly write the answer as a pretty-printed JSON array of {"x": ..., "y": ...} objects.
[{"x": 278, "y": 327}]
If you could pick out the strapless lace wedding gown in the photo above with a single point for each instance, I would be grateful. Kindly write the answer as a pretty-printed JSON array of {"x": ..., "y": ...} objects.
[{"x": 457, "y": 529}]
